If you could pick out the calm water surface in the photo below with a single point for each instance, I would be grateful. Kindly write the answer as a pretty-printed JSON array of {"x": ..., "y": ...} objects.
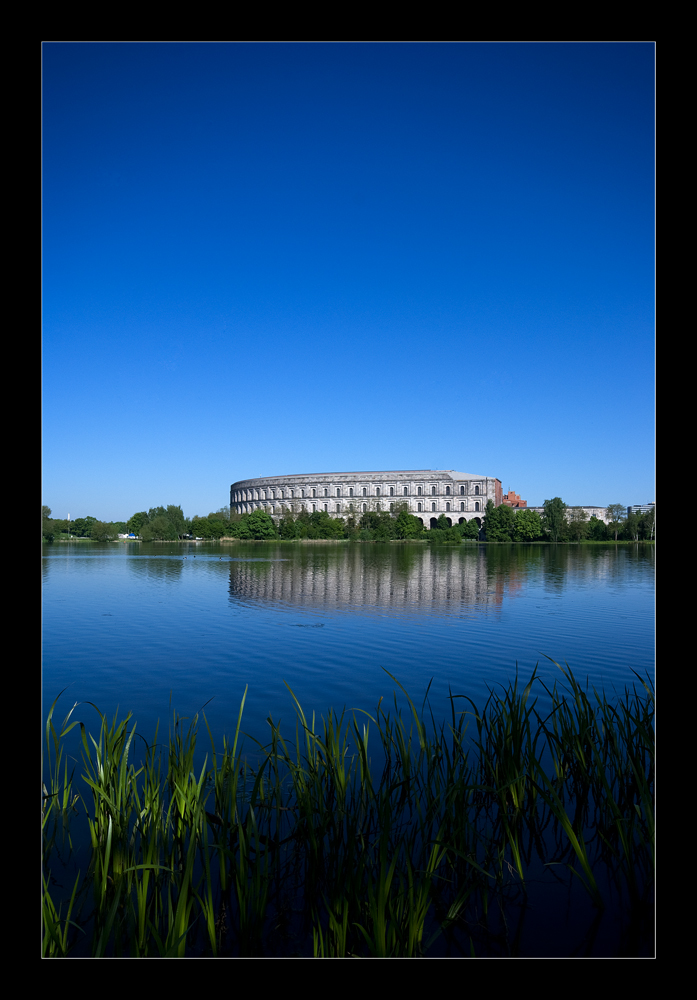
[{"x": 126, "y": 624}]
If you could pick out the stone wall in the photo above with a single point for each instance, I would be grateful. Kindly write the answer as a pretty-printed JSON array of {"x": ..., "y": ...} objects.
[{"x": 428, "y": 493}]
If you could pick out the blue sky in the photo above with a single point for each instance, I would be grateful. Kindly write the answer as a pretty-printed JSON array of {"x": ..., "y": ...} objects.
[{"x": 265, "y": 259}]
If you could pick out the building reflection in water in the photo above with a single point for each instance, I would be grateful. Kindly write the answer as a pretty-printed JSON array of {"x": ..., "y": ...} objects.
[{"x": 370, "y": 579}]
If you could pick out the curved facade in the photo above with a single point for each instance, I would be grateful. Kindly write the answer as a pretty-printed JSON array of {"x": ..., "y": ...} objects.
[{"x": 427, "y": 493}]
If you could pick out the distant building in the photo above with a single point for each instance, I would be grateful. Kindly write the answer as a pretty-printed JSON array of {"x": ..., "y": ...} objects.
[
  {"x": 512, "y": 499},
  {"x": 641, "y": 508},
  {"x": 599, "y": 512},
  {"x": 426, "y": 493}
]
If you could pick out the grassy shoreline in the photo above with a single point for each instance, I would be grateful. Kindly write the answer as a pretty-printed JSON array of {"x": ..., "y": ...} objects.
[{"x": 365, "y": 834}]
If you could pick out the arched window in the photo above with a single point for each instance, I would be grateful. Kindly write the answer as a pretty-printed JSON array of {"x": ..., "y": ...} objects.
[
  {"x": 391, "y": 491},
  {"x": 377, "y": 491},
  {"x": 476, "y": 491},
  {"x": 326, "y": 506},
  {"x": 447, "y": 491},
  {"x": 433, "y": 493},
  {"x": 418, "y": 491},
  {"x": 462, "y": 507},
  {"x": 365, "y": 506},
  {"x": 447, "y": 506},
  {"x": 314, "y": 492},
  {"x": 365, "y": 494},
  {"x": 433, "y": 506},
  {"x": 338, "y": 491},
  {"x": 391, "y": 506},
  {"x": 418, "y": 506},
  {"x": 338, "y": 507},
  {"x": 314, "y": 507},
  {"x": 462, "y": 491},
  {"x": 476, "y": 505},
  {"x": 378, "y": 506},
  {"x": 406, "y": 491},
  {"x": 350, "y": 491},
  {"x": 326, "y": 493}
]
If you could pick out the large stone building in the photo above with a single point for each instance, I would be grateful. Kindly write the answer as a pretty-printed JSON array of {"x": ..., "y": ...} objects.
[{"x": 427, "y": 493}]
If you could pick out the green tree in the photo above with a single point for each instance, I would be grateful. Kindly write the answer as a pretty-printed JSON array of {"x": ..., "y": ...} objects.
[
  {"x": 578, "y": 528},
  {"x": 597, "y": 529},
  {"x": 408, "y": 526},
  {"x": 47, "y": 525},
  {"x": 616, "y": 513},
  {"x": 82, "y": 526},
  {"x": 498, "y": 522},
  {"x": 648, "y": 524},
  {"x": 469, "y": 529},
  {"x": 554, "y": 518},
  {"x": 175, "y": 516},
  {"x": 136, "y": 522},
  {"x": 378, "y": 526},
  {"x": 162, "y": 528},
  {"x": 527, "y": 525},
  {"x": 102, "y": 532},
  {"x": 255, "y": 524}
]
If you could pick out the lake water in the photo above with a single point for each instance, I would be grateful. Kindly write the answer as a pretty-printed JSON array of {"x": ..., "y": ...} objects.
[{"x": 127, "y": 624}]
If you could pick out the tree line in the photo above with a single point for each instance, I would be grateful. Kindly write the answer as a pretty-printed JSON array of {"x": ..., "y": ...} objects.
[{"x": 558, "y": 523}]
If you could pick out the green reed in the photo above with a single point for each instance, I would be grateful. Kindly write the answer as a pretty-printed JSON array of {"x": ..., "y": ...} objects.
[{"x": 304, "y": 847}]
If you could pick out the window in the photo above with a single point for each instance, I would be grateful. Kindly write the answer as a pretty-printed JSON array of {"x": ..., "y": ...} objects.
[
  {"x": 338, "y": 491},
  {"x": 314, "y": 493},
  {"x": 418, "y": 493},
  {"x": 462, "y": 506},
  {"x": 326, "y": 493},
  {"x": 462, "y": 491},
  {"x": 476, "y": 505},
  {"x": 391, "y": 491},
  {"x": 391, "y": 506},
  {"x": 326, "y": 506},
  {"x": 406, "y": 491},
  {"x": 302, "y": 493},
  {"x": 292, "y": 493},
  {"x": 433, "y": 492},
  {"x": 314, "y": 507},
  {"x": 377, "y": 491},
  {"x": 447, "y": 506},
  {"x": 476, "y": 491},
  {"x": 365, "y": 506},
  {"x": 350, "y": 491},
  {"x": 338, "y": 507},
  {"x": 447, "y": 491},
  {"x": 365, "y": 495},
  {"x": 433, "y": 506},
  {"x": 418, "y": 506},
  {"x": 378, "y": 506}
]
